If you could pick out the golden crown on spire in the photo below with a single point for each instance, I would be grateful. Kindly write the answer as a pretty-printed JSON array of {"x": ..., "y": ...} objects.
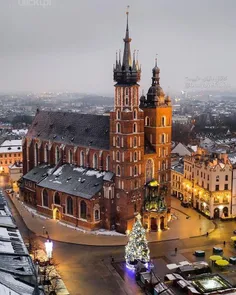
[{"x": 127, "y": 10}]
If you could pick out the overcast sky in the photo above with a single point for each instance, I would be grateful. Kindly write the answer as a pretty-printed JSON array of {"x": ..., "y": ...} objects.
[{"x": 70, "y": 45}]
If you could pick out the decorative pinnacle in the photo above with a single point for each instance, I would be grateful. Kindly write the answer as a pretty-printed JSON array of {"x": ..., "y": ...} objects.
[
  {"x": 127, "y": 10},
  {"x": 156, "y": 60}
]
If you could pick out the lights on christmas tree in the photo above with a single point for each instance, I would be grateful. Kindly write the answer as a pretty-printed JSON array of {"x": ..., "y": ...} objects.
[{"x": 137, "y": 247}]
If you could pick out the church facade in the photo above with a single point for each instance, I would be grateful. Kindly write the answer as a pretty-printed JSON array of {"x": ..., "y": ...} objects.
[{"x": 99, "y": 171}]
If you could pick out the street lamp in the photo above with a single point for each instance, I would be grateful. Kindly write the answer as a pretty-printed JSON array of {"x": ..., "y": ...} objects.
[{"x": 49, "y": 247}]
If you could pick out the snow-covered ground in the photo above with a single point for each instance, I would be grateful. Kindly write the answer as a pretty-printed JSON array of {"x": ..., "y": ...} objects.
[
  {"x": 103, "y": 232},
  {"x": 94, "y": 232}
]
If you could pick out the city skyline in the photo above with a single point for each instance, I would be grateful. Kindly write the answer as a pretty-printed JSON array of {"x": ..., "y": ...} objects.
[{"x": 62, "y": 47}]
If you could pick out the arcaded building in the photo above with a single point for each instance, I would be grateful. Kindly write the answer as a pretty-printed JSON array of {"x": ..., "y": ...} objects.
[{"x": 99, "y": 171}]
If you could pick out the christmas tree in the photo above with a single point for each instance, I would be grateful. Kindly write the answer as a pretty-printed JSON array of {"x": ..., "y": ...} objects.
[{"x": 137, "y": 247}]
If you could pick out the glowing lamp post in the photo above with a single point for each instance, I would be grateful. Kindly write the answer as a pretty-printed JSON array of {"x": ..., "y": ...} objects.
[{"x": 49, "y": 247}]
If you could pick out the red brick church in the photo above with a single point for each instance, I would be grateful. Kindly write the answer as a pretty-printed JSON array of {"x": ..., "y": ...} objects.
[{"x": 97, "y": 171}]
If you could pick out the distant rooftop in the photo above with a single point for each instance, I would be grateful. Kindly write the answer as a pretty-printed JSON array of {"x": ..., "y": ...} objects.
[{"x": 178, "y": 168}]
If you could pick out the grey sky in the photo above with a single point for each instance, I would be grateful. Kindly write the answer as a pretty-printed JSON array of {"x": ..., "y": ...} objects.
[{"x": 71, "y": 44}]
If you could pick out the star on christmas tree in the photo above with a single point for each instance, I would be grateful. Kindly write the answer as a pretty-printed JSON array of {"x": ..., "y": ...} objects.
[{"x": 137, "y": 247}]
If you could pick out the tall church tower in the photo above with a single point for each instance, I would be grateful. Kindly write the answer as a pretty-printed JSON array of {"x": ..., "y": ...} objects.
[
  {"x": 158, "y": 121},
  {"x": 127, "y": 138}
]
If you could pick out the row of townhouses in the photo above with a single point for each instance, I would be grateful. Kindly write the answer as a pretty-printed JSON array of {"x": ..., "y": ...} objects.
[{"x": 206, "y": 180}]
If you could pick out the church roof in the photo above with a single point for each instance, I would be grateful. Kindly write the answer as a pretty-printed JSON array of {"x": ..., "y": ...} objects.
[
  {"x": 38, "y": 173},
  {"x": 76, "y": 181},
  {"x": 71, "y": 128}
]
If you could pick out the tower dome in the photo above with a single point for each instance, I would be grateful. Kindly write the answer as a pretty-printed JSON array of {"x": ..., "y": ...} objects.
[{"x": 155, "y": 93}]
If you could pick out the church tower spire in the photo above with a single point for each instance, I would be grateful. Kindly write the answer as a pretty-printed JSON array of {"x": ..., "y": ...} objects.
[
  {"x": 127, "y": 62},
  {"x": 128, "y": 73}
]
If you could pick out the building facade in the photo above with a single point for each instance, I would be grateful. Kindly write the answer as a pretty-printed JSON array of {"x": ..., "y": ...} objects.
[
  {"x": 207, "y": 183},
  {"x": 177, "y": 177},
  {"x": 94, "y": 171},
  {"x": 10, "y": 152}
]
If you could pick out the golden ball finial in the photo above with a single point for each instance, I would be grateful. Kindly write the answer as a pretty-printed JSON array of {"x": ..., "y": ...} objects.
[{"x": 127, "y": 10}]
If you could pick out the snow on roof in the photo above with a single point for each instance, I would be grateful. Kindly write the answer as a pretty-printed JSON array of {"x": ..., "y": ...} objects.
[
  {"x": 58, "y": 171},
  {"x": 15, "y": 142},
  {"x": 10, "y": 149},
  {"x": 95, "y": 173},
  {"x": 15, "y": 285},
  {"x": 6, "y": 247},
  {"x": 4, "y": 233},
  {"x": 19, "y": 131},
  {"x": 232, "y": 158},
  {"x": 6, "y": 291},
  {"x": 193, "y": 147},
  {"x": 7, "y": 221}
]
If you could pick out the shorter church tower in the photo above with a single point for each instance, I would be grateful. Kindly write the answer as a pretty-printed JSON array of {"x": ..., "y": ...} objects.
[{"x": 157, "y": 128}]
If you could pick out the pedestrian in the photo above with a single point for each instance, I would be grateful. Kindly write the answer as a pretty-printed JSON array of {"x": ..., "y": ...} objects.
[
  {"x": 224, "y": 243},
  {"x": 207, "y": 234},
  {"x": 176, "y": 251},
  {"x": 112, "y": 259}
]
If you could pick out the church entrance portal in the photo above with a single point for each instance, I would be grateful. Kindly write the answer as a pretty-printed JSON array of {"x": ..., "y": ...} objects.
[
  {"x": 153, "y": 224},
  {"x": 56, "y": 214}
]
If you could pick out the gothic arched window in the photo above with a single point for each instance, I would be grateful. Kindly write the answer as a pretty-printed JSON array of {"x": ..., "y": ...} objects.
[
  {"x": 118, "y": 141},
  {"x": 135, "y": 156},
  {"x": 107, "y": 162},
  {"x": 83, "y": 210},
  {"x": 149, "y": 170},
  {"x": 135, "y": 114},
  {"x": 46, "y": 154},
  {"x": 118, "y": 156},
  {"x": 163, "y": 165},
  {"x": 118, "y": 170},
  {"x": 57, "y": 154},
  {"x": 147, "y": 121},
  {"x": 82, "y": 158},
  {"x": 97, "y": 212},
  {"x": 70, "y": 156},
  {"x": 118, "y": 114},
  {"x": 45, "y": 198},
  {"x": 118, "y": 128},
  {"x": 69, "y": 206},
  {"x": 36, "y": 155},
  {"x": 95, "y": 161},
  {"x": 135, "y": 141},
  {"x": 135, "y": 128},
  {"x": 163, "y": 121},
  {"x": 135, "y": 170},
  {"x": 57, "y": 198},
  {"x": 163, "y": 138}
]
